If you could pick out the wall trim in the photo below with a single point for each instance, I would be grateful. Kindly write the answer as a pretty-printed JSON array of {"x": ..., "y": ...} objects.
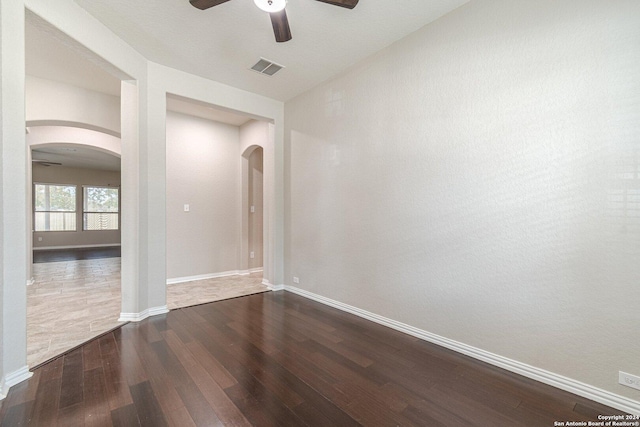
[
  {"x": 573, "y": 386},
  {"x": 137, "y": 317},
  {"x": 256, "y": 270},
  {"x": 176, "y": 280},
  {"x": 12, "y": 379},
  {"x": 271, "y": 286},
  {"x": 102, "y": 245}
]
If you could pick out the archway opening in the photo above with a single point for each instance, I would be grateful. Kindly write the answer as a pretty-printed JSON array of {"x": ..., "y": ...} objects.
[{"x": 253, "y": 184}]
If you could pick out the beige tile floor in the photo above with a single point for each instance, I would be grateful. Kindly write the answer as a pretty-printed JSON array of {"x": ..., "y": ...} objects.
[
  {"x": 74, "y": 301},
  {"x": 203, "y": 291}
]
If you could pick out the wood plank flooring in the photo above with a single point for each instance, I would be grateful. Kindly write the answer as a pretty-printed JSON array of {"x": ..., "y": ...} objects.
[
  {"x": 75, "y": 254},
  {"x": 71, "y": 302},
  {"x": 277, "y": 359}
]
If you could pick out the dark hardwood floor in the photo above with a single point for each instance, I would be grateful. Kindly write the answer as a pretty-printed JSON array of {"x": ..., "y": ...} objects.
[
  {"x": 57, "y": 255},
  {"x": 277, "y": 359}
]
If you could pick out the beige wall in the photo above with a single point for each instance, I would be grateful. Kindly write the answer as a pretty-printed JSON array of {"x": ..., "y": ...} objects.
[
  {"x": 480, "y": 180},
  {"x": 203, "y": 164},
  {"x": 78, "y": 177}
]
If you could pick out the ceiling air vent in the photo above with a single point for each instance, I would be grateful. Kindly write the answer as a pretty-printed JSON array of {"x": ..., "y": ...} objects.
[{"x": 264, "y": 66}]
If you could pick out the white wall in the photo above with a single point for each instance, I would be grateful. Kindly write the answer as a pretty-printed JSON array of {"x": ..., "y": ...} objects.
[
  {"x": 143, "y": 109},
  {"x": 13, "y": 189},
  {"x": 39, "y": 135},
  {"x": 203, "y": 161},
  {"x": 49, "y": 101},
  {"x": 78, "y": 177},
  {"x": 480, "y": 180}
]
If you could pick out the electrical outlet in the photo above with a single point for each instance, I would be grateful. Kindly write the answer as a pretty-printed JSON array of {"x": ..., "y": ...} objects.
[
  {"x": 186, "y": 208},
  {"x": 629, "y": 380},
  {"x": 39, "y": 239},
  {"x": 296, "y": 279},
  {"x": 253, "y": 209},
  {"x": 252, "y": 254}
]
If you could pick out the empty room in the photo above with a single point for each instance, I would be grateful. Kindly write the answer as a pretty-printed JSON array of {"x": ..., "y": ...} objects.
[{"x": 437, "y": 201}]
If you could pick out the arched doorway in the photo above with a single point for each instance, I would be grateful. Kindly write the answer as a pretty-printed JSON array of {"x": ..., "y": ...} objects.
[
  {"x": 253, "y": 185},
  {"x": 75, "y": 288}
]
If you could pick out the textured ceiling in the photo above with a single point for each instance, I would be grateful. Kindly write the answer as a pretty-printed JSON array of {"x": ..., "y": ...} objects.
[
  {"x": 75, "y": 156},
  {"x": 223, "y": 42},
  {"x": 48, "y": 58}
]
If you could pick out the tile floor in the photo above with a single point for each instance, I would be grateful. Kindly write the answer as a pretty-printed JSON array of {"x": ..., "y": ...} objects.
[
  {"x": 203, "y": 291},
  {"x": 74, "y": 301}
]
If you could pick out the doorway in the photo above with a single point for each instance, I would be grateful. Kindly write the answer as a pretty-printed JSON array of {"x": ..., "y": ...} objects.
[
  {"x": 75, "y": 291},
  {"x": 254, "y": 157},
  {"x": 73, "y": 147},
  {"x": 210, "y": 190}
]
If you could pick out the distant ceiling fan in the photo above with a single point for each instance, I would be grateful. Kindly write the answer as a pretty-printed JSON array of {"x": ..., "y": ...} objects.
[
  {"x": 45, "y": 162},
  {"x": 276, "y": 11}
]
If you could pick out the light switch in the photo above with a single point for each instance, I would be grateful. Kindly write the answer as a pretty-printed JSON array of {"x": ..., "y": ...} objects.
[
  {"x": 186, "y": 208},
  {"x": 253, "y": 209}
]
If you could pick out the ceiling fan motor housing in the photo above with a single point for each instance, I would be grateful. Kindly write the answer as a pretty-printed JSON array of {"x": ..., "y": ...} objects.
[
  {"x": 276, "y": 9},
  {"x": 271, "y": 6}
]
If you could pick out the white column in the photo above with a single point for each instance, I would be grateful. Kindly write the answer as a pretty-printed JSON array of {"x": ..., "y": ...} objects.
[
  {"x": 243, "y": 261},
  {"x": 277, "y": 221},
  {"x": 130, "y": 210},
  {"x": 154, "y": 164},
  {"x": 13, "y": 198}
]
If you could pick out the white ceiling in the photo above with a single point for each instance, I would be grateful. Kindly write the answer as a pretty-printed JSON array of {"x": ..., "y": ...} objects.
[
  {"x": 205, "y": 111},
  {"x": 74, "y": 156},
  {"x": 48, "y": 58},
  {"x": 223, "y": 42}
]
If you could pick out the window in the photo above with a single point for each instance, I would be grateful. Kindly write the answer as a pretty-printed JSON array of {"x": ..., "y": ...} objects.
[
  {"x": 101, "y": 208},
  {"x": 55, "y": 207}
]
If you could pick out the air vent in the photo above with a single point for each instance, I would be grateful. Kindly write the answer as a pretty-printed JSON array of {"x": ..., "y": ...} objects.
[{"x": 264, "y": 66}]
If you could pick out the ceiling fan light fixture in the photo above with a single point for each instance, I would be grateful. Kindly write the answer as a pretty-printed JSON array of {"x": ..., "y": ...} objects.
[{"x": 271, "y": 6}]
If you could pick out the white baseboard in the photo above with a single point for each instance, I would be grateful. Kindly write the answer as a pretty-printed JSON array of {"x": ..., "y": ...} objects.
[
  {"x": 249, "y": 271},
  {"x": 154, "y": 311},
  {"x": 137, "y": 317},
  {"x": 271, "y": 286},
  {"x": 105, "y": 245},
  {"x": 207, "y": 276},
  {"x": 576, "y": 387},
  {"x": 12, "y": 379}
]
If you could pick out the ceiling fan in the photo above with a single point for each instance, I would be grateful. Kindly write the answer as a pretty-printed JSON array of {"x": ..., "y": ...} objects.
[
  {"x": 45, "y": 162},
  {"x": 276, "y": 11}
]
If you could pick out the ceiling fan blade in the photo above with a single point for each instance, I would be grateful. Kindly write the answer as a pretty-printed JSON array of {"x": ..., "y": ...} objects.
[
  {"x": 206, "y": 4},
  {"x": 281, "y": 26},
  {"x": 45, "y": 162},
  {"x": 349, "y": 4}
]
